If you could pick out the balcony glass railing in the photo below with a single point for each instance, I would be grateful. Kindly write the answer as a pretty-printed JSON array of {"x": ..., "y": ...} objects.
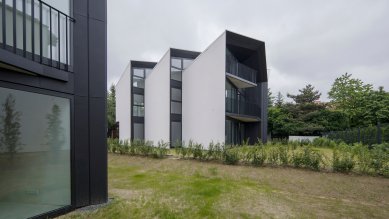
[
  {"x": 234, "y": 67},
  {"x": 242, "y": 107},
  {"x": 37, "y": 31}
]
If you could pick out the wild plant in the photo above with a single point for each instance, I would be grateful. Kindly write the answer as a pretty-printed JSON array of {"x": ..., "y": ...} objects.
[{"x": 343, "y": 158}]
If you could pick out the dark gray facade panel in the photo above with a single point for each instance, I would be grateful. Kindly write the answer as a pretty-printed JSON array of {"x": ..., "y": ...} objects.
[
  {"x": 80, "y": 7},
  {"x": 264, "y": 115},
  {"x": 81, "y": 151},
  {"x": 97, "y": 53},
  {"x": 16, "y": 77},
  {"x": 81, "y": 86},
  {"x": 98, "y": 151},
  {"x": 142, "y": 64},
  {"x": 97, "y": 10}
]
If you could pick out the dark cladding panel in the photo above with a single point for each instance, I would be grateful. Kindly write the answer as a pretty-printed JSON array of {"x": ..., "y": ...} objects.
[
  {"x": 80, "y": 7},
  {"x": 80, "y": 56},
  {"x": 98, "y": 151},
  {"x": 97, "y": 59},
  {"x": 81, "y": 151},
  {"x": 97, "y": 9}
]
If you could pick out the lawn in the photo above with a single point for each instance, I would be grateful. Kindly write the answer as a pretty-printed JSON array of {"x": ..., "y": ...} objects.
[{"x": 173, "y": 188}]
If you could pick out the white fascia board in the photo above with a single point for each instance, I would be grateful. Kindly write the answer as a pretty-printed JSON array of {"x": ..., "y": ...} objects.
[
  {"x": 157, "y": 102},
  {"x": 123, "y": 104},
  {"x": 203, "y": 96}
]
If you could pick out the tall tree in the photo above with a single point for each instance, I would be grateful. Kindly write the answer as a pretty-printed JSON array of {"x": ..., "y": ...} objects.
[
  {"x": 54, "y": 134},
  {"x": 270, "y": 98},
  {"x": 111, "y": 108},
  {"x": 377, "y": 106},
  {"x": 279, "y": 100},
  {"x": 307, "y": 95},
  {"x": 10, "y": 127},
  {"x": 350, "y": 96}
]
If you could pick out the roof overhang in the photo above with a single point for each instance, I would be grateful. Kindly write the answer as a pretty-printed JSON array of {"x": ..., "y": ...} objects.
[
  {"x": 243, "y": 118},
  {"x": 240, "y": 82}
]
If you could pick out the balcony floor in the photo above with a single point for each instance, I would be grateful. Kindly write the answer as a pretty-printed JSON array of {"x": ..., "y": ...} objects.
[
  {"x": 240, "y": 82},
  {"x": 243, "y": 118}
]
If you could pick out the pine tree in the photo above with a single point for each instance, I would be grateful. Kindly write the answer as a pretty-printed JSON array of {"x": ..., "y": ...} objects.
[
  {"x": 10, "y": 127},
  {"x": 54, "y": 133},
  {"x": 111, "y": 102},
  {"x": 279, "y": 100},
  {"x": 307, "y": 95}
]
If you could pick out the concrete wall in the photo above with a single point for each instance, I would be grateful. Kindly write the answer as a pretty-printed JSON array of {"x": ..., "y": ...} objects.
[
  {"x": 157, "y": 102},
  {"x": 123, "y": 104},
  {"x": 203, "y": 96}
]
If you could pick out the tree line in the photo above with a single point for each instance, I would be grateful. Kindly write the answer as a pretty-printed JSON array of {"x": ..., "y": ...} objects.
[{"x": 353, "y": 103}]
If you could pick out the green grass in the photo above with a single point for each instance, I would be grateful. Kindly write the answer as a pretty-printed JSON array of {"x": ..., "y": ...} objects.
[{"x": 170, "y": 188}]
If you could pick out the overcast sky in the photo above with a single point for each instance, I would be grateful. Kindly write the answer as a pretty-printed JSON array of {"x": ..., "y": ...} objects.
[{"x": 306, "y": 41}]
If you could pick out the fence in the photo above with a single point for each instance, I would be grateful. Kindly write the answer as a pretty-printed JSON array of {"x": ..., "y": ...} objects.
[{"x": 366, "y": 135}]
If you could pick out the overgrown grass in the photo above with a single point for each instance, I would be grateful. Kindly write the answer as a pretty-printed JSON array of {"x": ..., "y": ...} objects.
[{"x": 143, "y": 187}]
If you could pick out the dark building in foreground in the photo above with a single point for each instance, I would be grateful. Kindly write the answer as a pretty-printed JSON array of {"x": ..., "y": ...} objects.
[{"x": 53, "y": 106}]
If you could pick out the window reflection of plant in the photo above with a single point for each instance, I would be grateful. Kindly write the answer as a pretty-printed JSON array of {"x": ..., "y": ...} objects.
[{"x": 10, "y": 127}]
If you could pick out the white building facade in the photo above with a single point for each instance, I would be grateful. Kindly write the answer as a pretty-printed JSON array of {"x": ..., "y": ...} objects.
[{"x": 219, "y": 95}]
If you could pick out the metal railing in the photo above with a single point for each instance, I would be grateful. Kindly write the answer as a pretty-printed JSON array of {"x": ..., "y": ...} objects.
[
  {"x": 242, "y": 107},
  {"x": 233, "y": 66},
  {"x": 37, "y": 31}
]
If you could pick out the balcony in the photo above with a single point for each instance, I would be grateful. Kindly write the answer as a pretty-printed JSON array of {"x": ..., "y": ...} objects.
[
  {"x": 34, "y": 30},
  {"x": 242, "y": 110},
  {"x": 239, "y": 74}
]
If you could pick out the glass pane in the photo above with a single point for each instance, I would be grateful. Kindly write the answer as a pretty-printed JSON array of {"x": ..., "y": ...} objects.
[
  {"x": 19, "y": 25},
  {"x": 28, "y": 25},
  {"x": 138, "y": 82},
  {"x": 1, "y": 21},
  {"x": 139, "y": 131},
  {"x": 9, "y": 23},
  {"x": 62, "y": 5},
  {"x": 176, "y": 107},
  {"x": 138, "y": 111},
  {"x": 176, "y": 133},
  {"x": 176, "y": 94},
  {"x": 187, "y": 62},
  {"x": 36, "y": 42},
  {"x": 176, "y": 63},
  {"x": 138, "y": 99},
  {"x": 34, "y": 154},
  {"x": 45, "y": 31},
  {"x": 139, "y": 72},
  {"x": 176, "y": 74},
  {"x": 54, "y": 35}
]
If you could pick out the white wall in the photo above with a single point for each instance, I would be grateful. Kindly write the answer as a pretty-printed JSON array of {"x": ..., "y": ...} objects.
[
  {"x": 123, "y": 104},
  {"x": 157, "y": 102},
  {"x": 203, "y": 96}
]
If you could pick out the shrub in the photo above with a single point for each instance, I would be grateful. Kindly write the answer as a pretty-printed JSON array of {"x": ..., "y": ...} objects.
[
  {"x": 198, "y": 152},
  {"x": 363, "y": 157},
  {"x": 230, "y": 156},
  {"x": 161, "y": 150},
  {"x": 380, "y": 159},
  {"x": 323, "y": 142},
  {"x": 343, "y": 159},
  {"x": 258, "y": 156},
  {"x": 307, "y": 157},
  {"x": 283, "y": 154},
  {"x": 214, "y": 151},
  {"x": 272, "y": 154}
]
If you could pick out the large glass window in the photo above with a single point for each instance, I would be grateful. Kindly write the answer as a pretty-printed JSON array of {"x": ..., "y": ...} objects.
[
  {"x": 34, "y": 153},
  {"x": 139, "y": 131},
  {"x": 176, "y": 107},
  {"x": 176, "y": 133},
  {"x": 138, "y": 111},
  {"x": 139, "y": 72},
  {"x": 138, "y": 100},
  {"x": 138, "y": 82},
  {"x": 176, "y": 74},
  {"x": 176, "y": 94},
  {"x": 176, "y": 62}
]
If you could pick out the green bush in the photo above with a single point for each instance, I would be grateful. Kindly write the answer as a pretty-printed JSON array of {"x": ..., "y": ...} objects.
[
  {"x": 343, "y": 158},
  {"x": 160, "y": 151},
  {"x": 362, "y": 156},
  {"x": 214, "y": 151},
  {"x": 307, "y": 157},
  {"x": 380, "y": 159},
  {"x": 230, "y": 156},
  {"x": 198, "y": 152},
  {"x": 323, "y": 142},
  {"x": 259, "y": 156}
]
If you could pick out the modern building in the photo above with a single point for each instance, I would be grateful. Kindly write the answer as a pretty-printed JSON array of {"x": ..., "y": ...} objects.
[
  {"x": 53, "y": 155},
  {"x": 219, "y": 95}
]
